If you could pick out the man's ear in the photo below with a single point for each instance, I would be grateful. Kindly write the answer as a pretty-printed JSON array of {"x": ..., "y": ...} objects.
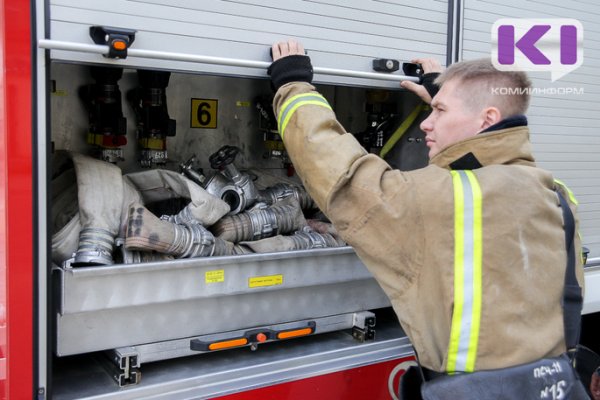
[{"x": 490, "y": 116}]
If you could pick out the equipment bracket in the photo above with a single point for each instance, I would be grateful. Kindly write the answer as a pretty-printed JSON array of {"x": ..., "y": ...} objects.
[{"x": 123, "y": 365}]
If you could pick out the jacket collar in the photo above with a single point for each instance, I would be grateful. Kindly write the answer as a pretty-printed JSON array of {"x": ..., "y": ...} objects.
[
  {"x": 506, "y": 142},
  {"x": 510, "y": 122}
]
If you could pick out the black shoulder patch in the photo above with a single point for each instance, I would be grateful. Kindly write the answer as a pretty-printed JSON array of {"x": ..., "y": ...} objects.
[{"x": 468, "y": 161}]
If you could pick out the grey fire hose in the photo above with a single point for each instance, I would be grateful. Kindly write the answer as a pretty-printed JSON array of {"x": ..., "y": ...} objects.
[
  {"x": 174, "y": 236},
  {"x": 64, "y": 213},
  {"x": 100, "y": 197},
  {"x": 94, "y": 206},
  {"x": 90, "y": 203},
  {"x": 96, "y": 224},
  {"x": 261, "y": 221},
  {"x": 147, "y": 232},
  {"x": 304, "y": 239},
  {"x": 159, "y": 184}
]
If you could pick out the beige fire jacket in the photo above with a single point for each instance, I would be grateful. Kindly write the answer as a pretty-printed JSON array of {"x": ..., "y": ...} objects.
[{"x": 407, "y": 226}]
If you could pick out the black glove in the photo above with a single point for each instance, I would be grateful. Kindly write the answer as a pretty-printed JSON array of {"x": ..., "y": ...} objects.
[
  {"x": 427, "y": 82},
  {"x": 295, "y": 68}
]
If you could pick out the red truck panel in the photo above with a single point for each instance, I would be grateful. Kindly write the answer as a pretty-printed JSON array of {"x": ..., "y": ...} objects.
[
  {"x": 367, "y": 382},
  {"x": 16, "y": 201}
]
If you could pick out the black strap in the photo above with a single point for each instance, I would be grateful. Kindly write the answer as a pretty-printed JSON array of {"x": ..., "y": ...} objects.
[
  {"x": 572, "y": 297},
  {"x": 468, "y": 161}
]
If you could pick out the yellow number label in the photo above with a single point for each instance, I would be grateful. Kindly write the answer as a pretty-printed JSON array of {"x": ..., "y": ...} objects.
[{"x": 204, "y": 113}]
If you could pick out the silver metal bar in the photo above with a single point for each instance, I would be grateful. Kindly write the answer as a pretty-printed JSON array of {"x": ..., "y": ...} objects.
[
  {"x": 169, "y": 349},
  {"x": 232, "y": 62},
  {"x": 592, "y": 262},
  {"x": 122, "y": 365}
]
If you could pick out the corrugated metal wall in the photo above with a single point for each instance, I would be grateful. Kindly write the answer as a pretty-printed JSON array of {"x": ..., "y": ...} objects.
[
  {"x": 565, "y": 129},
  {"x": 343, "y": 35}
]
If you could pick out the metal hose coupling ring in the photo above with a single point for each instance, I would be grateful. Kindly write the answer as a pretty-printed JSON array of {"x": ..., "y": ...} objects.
[
  {"x": 244, "y": 183},
  {"x": 315, "y": 240},
  {"x": 191, "y": 240},
  {"x": 184, "y": 217},
  {"x": 307, "y": 238},
  {"x": 224, "y": 188},
  {"x": 261, "y": 221},
  {"x": 282, "y": 191},
  {"x": 95, "y": 247}
]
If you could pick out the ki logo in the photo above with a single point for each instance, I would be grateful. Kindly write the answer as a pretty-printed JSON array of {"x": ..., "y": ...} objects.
[{"x": 554, "y": 45}]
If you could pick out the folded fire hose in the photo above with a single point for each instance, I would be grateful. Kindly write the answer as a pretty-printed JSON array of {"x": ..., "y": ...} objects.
[
  {"x": 91, "y": 200},
  {"x": 304, "y": 239},
  {"x": 160, "y": 184},
  {"x": 147, "y": 232},
  {"x": 94, "y": 206},
  {"x": 99, "y": 203}
]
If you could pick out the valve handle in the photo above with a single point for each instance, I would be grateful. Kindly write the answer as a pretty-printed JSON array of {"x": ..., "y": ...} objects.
[{"x": 223, "y": 157}]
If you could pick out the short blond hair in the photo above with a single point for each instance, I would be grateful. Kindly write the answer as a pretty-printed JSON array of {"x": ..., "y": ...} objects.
[{"x": 482, "y": 85}]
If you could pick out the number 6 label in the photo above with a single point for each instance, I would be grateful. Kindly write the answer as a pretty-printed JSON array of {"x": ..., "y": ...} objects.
[{"x": 204, "y": 113}]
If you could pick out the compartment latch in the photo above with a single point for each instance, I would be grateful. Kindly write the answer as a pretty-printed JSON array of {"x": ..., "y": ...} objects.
[{"x": 118, "y": 40}]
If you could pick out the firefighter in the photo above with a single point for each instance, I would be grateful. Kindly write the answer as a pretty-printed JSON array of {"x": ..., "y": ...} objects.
[
  {"x": 595, "y": 384},
  {"x": 470, "y": 249}
]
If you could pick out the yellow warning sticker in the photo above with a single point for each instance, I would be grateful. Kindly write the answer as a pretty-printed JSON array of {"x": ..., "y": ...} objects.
[
  {"x": 261, "y": 281},
  {"x": 241, "y": 103},
  {"x": 215, "y": 276}
]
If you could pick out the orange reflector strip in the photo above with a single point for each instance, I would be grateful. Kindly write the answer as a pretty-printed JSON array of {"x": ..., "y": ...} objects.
[
  {"x": 294, "y": 333},
  {"x": 227, "y": 344},
  {"x": 119, "y": 45}
]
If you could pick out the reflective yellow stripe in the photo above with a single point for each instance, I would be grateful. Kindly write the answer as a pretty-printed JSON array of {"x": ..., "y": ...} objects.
[
  {"x": 569, "y": 192},
  {"x": 466, "y": 315},
  {"x": 574, "y": 201},
  {"x": 458, "y": 272},
  {"x": 477, "y": 270},
  {"x": 291, "y": 105}
]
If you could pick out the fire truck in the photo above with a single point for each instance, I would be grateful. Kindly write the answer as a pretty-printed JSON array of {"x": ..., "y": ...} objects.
[{"x": 181, "y": 86}]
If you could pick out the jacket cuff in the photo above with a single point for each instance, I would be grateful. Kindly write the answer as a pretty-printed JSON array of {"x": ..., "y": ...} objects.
[
  {"x": 296, "y": 68},
  {"x": 427, "y": 82}
]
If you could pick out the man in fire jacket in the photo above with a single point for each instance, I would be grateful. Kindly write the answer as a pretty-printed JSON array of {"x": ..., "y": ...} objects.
[{"x": 471, "y": 248}]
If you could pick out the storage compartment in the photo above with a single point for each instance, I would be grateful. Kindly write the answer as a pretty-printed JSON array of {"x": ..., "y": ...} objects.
[
  {"x": 156, "y": 309},
  {"x": 110, "y": 307},
  {"x": 191, "y": 99}
]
